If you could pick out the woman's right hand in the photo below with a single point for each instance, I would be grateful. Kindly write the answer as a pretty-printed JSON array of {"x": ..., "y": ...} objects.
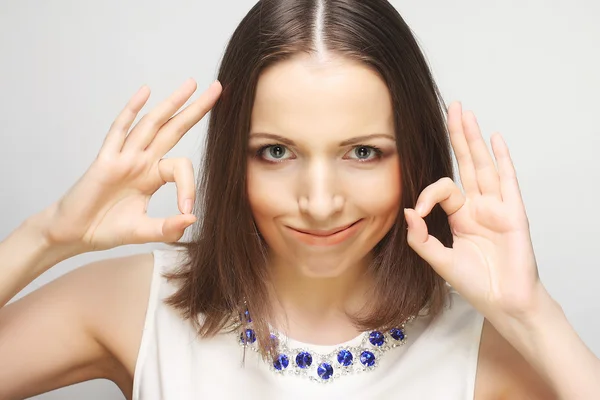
[{"x": 107, "y": 206}]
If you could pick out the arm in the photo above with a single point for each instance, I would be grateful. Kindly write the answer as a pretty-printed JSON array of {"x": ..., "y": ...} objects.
[
  {"x": 492, "y": 263},
  {"x": 546, "y": 339},
  {"x": 70, "y": 330},
  {"x": 25, "y": 254},
  {"x": 44, "y": 341},
  {"x": 84, "y": 325}
]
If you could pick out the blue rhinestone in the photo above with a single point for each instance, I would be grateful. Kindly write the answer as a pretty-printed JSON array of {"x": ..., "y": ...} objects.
[
  {"x": 376, "y": 338},
  {"x": 304, "y": 359},
  {"x": 325, "y": 371},
  {"x": 248, "y": 336},
  {"x": 282, "y": 362},
  {"x": 274, "y": 340},
  {"x": 247, "y": 316},
  {"x": 345, "y": 358},
  {"x": 367, "y": 358},
  {"x": 397, "y": 333}
]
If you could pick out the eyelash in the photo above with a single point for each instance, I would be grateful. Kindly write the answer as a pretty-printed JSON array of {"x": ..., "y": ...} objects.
[{"x": 377, "y": 150}]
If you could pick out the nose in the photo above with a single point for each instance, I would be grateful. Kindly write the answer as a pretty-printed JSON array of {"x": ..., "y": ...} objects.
[{"x": 320, "y": 196}]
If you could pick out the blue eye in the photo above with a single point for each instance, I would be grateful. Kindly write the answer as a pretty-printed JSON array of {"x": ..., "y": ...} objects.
[
  {"x": 363, "y": 153},
  {"x": 275, "y": 151}
]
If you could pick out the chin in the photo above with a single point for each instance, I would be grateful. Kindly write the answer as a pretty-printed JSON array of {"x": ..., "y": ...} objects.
[
  {"x": 320, "y": 272},
  {"x": 330, "y": 267}
]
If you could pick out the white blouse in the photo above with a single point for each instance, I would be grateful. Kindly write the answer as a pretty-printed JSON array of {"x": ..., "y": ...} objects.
[{"x": 437, "y": 361}]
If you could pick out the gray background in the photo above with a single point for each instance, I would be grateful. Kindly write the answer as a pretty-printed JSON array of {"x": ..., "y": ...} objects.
[{"x": 528, "y": 69}]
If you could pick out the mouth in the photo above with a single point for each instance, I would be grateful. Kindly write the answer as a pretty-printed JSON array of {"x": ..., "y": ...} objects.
[
  {"x": 327, "y": 237},
  {"x": 325, "y": 233}
]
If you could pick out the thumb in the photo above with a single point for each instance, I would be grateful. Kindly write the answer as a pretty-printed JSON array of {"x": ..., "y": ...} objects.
[
  {"x": 426, "y": 246},
  {"x": 174, "y": 227},
  {"x": 164, "y": 230}
]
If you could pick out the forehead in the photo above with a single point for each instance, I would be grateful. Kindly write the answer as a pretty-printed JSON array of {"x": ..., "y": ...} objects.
[{"x": 335, "y": 97}]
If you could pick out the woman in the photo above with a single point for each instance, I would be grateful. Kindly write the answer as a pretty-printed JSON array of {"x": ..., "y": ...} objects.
[{"x": 327, "y": 153}]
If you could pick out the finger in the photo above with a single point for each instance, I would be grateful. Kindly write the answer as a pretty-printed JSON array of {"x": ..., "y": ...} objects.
[
  {"x": 145, "y": 130},
  {"x": 426, "y": 246},
  {"x": 164, "y": 230},
  {"x": 443, "y": 192},
  {"x": 170, "y": 134},
  {"x": 485, "y": 170},
  {"x": 466, "y": 168},
  {"x": 118, "y": 130},
  {"x": 180, "y": 171},
  {"x": 509, "y": 185}
]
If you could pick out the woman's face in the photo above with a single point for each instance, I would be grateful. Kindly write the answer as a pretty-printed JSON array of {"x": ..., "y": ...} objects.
[{"x": 322, "y": 156}]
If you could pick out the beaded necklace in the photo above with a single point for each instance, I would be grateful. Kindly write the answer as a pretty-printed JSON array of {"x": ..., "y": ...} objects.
[{"x": 325, "y": 368}]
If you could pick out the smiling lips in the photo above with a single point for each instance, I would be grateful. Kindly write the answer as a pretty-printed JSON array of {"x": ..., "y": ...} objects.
[{"x": 326, "y": 238}]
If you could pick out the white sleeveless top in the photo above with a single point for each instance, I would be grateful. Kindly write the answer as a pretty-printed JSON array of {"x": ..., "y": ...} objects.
[{"x": 438, "y": 360}]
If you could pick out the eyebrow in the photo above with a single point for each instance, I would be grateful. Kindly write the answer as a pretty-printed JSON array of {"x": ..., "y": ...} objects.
[{"x": 354, "y": 140}]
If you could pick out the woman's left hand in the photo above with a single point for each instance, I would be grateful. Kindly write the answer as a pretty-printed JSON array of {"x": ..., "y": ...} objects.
[{"x": 491, "y": 262}]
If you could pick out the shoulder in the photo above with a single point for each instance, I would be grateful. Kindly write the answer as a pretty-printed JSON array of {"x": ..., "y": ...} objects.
[
  {"x": 86, "y": 324},
  {"x": 503, "y": 373},
  {"x": 112, "y": 305},
  {"x": 116, "y": 308}
]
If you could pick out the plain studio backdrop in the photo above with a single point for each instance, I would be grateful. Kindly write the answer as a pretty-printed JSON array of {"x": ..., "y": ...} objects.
[{"x": 528, "y": 69}]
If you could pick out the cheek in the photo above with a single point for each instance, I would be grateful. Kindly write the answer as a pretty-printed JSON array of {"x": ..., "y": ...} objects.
[
  {"x": 378, "y": 193},
  {"x": 270, "y": 198},
  {"x": 267, "y": 194}
]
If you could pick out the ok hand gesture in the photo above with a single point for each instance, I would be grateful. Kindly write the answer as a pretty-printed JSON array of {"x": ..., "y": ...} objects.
[{"x": 491, "y": 262}]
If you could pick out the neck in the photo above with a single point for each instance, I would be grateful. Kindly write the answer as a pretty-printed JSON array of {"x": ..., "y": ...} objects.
[{"x": 316, "y": 309}]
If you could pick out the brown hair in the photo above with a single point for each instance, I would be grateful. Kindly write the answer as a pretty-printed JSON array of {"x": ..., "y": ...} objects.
[{"x": 226, "y": 268}]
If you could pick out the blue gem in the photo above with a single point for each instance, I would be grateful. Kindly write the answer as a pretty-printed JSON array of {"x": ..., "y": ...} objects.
[
  {"x": 247, "y": 316},
  {"x": 248, "y": 336},
  {"x": 376, "y": 338},
  {"x": 274, "y": 340},
  {"x": 282, "y": 362},
  {"x": 345, "y": 358},
  {"x": 397, "y": 333},
  {"x": 304, "y": 359},
  {"x": 325, "y": 371},
  {"x": 367, "y": 358}
]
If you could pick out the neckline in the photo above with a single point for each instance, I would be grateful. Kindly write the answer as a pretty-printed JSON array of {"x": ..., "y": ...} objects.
[{"x": 292, "y": 343}]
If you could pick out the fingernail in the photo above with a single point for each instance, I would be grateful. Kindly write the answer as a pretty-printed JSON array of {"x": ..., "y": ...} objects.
[
  {"x": 419, "y": 208},
  {"x": 407, "y": 218},
  {"x": 187, "y": 208}
]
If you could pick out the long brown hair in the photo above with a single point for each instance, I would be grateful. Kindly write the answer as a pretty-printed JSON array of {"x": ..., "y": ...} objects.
[{"x": 225, "y": 269}]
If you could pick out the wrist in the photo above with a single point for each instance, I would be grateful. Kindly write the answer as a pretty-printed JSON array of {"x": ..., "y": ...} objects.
[
  {"x": 527, "y": 328},
  {"x": 26, "y": 254},
  {"x": 548, "y": 342},
  {"x": 543, "y": 310},
  {"x": 48, "y": 251}
]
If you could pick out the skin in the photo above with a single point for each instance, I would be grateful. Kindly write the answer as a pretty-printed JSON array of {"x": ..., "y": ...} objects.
[
  {"x": 319, "y": 183},
  {"x": 107, "y": 208}
]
